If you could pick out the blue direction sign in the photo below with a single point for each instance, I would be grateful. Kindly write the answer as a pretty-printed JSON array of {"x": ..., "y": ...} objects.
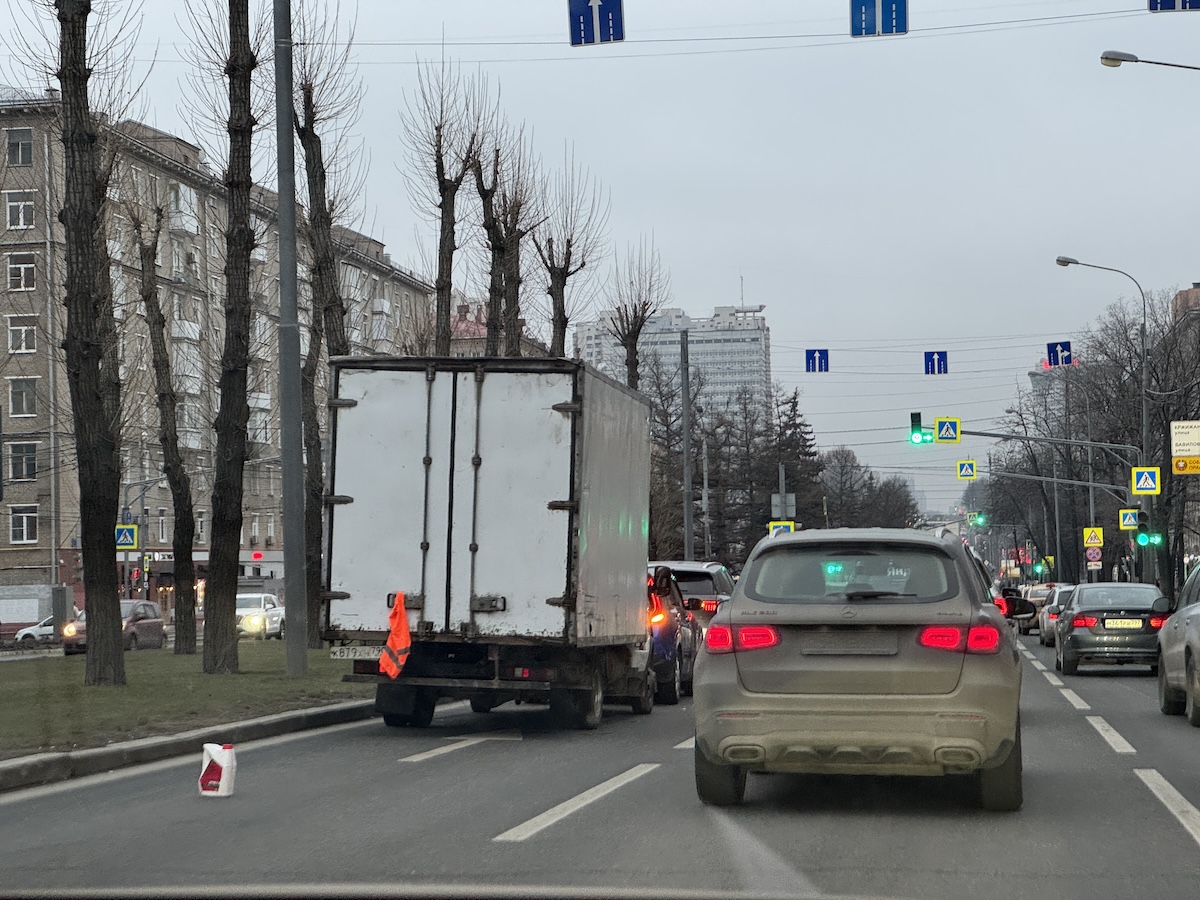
[
  {"x": 937, "y": 362},
  {"x": 1059, "y": 354},
  {"x": 1169, "y": 5},
  {"x": 816, "y": 360},
  {"x": 596, "y": 21},
  {"x": 127, "y": 537},
  {"x": 869, "y": 18}
]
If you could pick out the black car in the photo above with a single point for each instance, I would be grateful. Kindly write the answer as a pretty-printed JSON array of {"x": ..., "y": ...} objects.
[
  {"x": 1115, "y": 622},
  {"x": 675, "y": 635}
]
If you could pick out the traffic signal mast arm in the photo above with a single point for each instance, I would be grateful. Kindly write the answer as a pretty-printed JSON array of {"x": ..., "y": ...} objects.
[{"x": 1048, "y": 440}]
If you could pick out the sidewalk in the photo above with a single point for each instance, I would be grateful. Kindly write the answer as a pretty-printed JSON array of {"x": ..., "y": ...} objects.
[{"x": 45, "y": 768}]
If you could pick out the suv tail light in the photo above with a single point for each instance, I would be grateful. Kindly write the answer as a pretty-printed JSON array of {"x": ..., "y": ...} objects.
[
  {"x": 708, "y": 605},
  {"x": 723, "y": 639},
  {"x": 981, "y": 639},
  {"x": 1084, "y": 622}
]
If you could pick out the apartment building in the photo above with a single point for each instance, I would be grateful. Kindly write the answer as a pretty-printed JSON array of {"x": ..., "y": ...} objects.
[{"x": 39, "y": 537}]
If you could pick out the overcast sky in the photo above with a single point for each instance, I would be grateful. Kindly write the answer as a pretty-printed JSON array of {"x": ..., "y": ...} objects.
[{"x": 880, "y": 196}]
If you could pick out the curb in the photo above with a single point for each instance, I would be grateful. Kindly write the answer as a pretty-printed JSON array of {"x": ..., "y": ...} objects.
[{"x": 46, "y": 768}]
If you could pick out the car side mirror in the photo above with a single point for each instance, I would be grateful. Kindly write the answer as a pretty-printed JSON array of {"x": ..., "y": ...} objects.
[
  {"x": 1053, "y": 609},
  {"x": 1161, "y": 605}
]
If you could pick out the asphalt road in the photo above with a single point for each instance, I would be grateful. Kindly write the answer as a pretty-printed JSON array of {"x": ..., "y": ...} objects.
[{"x": 1112, "y": 789}]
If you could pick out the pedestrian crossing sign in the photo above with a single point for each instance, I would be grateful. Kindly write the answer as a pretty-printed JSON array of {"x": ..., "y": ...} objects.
[
  {"x": 127, "y": 537},
  {"x": 1093, "y": 537},
  {"x": 947, "y": 431},
  {"x": 1146, "y": 480},
  {"x": 1129, "y": 519},
  {"x": 774, "y": 528},
  {"x": 966, "y": 470}
]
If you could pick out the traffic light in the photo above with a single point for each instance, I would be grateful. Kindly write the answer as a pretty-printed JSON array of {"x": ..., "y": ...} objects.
[
  {"x": 916, "y": 432},
  {"x": 1038, "y": 568},
  {"x": 976, "y": 519},
  {"x": 1143, "y": 528}
]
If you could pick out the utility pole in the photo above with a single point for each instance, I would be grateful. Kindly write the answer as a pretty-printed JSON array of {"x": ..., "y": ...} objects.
[
  {"x": 704, "y": 507},
  {"x": 689, "y": 538},
  {"x": 290, "y": 438},
  {"x": 1058, "y": 559}
]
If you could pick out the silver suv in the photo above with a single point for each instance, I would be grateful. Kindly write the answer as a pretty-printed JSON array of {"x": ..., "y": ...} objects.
[
  {"x": 859, "y": 651},
  {"x": 704, "y": 585}
]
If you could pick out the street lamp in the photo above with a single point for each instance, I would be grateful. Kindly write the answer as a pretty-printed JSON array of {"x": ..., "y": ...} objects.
[{"x": 1114, "y": 58}]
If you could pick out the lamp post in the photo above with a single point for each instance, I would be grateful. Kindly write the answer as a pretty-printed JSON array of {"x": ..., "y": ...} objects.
[
  {"x": 1069, "y": 261},
  {"x": 1114, "y": 58}
]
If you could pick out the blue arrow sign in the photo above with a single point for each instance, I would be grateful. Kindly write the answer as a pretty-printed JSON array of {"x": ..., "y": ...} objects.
[
  {"x": 816, "y": 360},
  {"x": 869, "y": 18},
  {"x": 1169, "y": 5},
  {"x": 1059, "y": 354},
  {"x": 937, "y": 362},
  {"x": 596, "y": 21}
]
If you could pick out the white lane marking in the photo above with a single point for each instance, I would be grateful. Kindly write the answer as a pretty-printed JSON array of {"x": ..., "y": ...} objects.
[
  {"x": 762, "y": 870},
  {"x": 1110, "y": 734},
  {"x": 555, "y": 814},
  {"x": 1053, "y": 679},
  {"x": 1074, "y": 699},
  {"x": 469, "y": 741},
  {"x": 1176, "y": 804},
  {"x": 689, "y": 744},
  {"x": 1037, "y": 664}
]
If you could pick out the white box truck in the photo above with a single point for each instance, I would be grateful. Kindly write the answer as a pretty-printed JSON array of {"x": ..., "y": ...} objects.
[{"x": 505, "y": 503}]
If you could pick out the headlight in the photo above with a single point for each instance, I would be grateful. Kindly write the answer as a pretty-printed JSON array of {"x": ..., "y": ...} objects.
[{"x": 69, "y": 630}]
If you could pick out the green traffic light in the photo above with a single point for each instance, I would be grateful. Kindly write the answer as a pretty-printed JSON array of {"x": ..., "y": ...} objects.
[
  {"x": 1039, "y": 569},
  {"x": 916, "y": 438},
  {"x": 980, "y": 519},
  {"x": 1143, "y": 539},
  {"x": 1156, "y": 539}
]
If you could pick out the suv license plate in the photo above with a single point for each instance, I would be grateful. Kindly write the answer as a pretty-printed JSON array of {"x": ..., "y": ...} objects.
[{"x": 357, "y": 652}]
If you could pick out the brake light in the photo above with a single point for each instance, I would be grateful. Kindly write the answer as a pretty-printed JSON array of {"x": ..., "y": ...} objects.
[
  {"x": 976, "y": 639},
  {"x": 718, "y": 639},
  {"x": 1052, "y": 616},
  {"x": 1157, "y": 622},
  {"x": 757, "y": 637},
  {"x": 1001, "y": 604},
  {"x": 708, "y": 605},
  {"x": 1084, "y": 622},
  {"x": 983, "y": 639}
]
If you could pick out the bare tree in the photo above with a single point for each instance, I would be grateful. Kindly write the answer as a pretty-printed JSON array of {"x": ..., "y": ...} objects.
[
  {"x": 570, "y": 238},
  {"x": 640, "y": 288},
  {"x": 328, "y": 98},
  {"x": 442, "y": 125},
  {"x": 93, "y": 371},
  {"x": 220, "y": 626}
]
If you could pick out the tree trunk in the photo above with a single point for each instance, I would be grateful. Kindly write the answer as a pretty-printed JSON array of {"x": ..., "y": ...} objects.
[
  {"x": 631, "y": 361},
  {"x": 445, "y": 265},
  {"x": 94, "y": 383},
  {"x": 314, "y": 481},
  {"x": 512, "y": 294},
  {"x": 220, "y": 626},
  {"x": 557, "y": 290},
  {"x": 495, "y": 239},
  {"x": 168, "y": 436}
]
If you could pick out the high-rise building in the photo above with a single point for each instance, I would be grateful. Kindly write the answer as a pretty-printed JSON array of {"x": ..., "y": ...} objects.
[
  {"x": 731, "y": 349},
  {"x": 39, "y": 516}
]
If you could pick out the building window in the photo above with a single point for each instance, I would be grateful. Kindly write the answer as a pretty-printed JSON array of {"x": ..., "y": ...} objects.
[
  {"x": 20, "y": 146},
  {"x": 22, "y": 462},
  {"x": 379, "y": 323},
  {"x": 22, "y": 397},
  {"x": 199, "y": 526},
  {"x": 254, "y": 528},
  {"x": 21, "y": 274},
  {"x": 270, "y": 528},
  {"x": 22, "y": 334},
  {"x": 162, "y": 525},
  {"x": 23, "y": 525},
  {"x": 20, "y": 208}
]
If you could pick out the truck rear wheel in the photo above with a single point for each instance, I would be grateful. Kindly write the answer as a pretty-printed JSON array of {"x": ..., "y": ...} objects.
[
  {"x": 580, "y": 708},
  {"x": 481, "y": 704}
]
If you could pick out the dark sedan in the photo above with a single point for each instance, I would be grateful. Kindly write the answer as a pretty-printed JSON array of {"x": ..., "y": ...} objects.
[
  {"x": 675, "y": 635},
  {"x": 1108, "y": 623}
]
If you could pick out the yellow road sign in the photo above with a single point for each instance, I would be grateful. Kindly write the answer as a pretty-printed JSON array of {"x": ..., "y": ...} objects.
[
  {"x": 1093, "y": 537},
  {"x": 1185, "y": 465},
  {"x": 966, "y": 470},
  {"x": 1146, "y": 480},
  {"x": 1128, "y": 519},
  {"x": 947, "y": 430},
  {"x": 774, "y": 528}
]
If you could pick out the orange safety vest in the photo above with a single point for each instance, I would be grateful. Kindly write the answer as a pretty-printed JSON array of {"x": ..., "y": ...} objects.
[{"x": 395, "y": 651}]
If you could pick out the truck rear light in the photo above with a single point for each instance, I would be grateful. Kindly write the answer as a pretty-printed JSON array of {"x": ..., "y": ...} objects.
[
  {"x": 757, "y": 637},
  {"x": 718, "y": 639},
  {"x": 1157, "y": 622},
  {"x": 1084, "y": 622},
  {"x": 983, "y": 639}
]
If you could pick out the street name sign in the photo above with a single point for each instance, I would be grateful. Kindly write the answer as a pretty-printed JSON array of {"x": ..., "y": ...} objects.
[
  {"x": 1185, "y": 438},
  {"x": 1146, "y": 480},
  {"x": 966, "y": 470},
  {"x": 816, "y": 360},
  {"x": 1128, "y": 520},
  {"x": 947, "y": 431},
  {"x": 127, "y": 537},
  {"x": 596, "y": 21},
  {"x": 1093, "y": 537},
  {"x": 869, "y": 18},
  {"x": 937, "y": 362},
  {"x": 1058, "y": 354}
]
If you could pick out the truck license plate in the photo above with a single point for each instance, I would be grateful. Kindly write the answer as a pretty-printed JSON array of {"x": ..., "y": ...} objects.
[{"x": 359, "y": 652}]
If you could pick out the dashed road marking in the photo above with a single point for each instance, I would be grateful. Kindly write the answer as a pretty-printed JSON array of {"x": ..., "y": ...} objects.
[
  {"x": 1118, "y": 743},
  {"x": 1074, "y": 699},
  {"x": 1178, "y": 805},
  {"x": 1037, "y": 664},
  {"x": 555, "y": 814},
  {"x": 462, "y": 743},
  {"x": 689, "y": 744},
  {"x": 1053, "y": 679}
]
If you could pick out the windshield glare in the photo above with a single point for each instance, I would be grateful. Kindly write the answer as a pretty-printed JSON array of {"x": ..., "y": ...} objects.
[{"x": 819, "y": 573}]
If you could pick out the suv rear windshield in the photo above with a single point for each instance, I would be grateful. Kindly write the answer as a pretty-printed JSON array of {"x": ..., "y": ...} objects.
[
  {"x": 821, "y": 573},
  {"x": 695, "y": 582}
]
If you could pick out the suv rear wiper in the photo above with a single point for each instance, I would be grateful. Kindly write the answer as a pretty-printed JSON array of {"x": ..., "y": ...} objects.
[{"x": 872, "y": 595}]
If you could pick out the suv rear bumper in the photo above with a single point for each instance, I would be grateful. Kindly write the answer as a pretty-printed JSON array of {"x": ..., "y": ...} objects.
[{"x": 957, "y": 733}]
